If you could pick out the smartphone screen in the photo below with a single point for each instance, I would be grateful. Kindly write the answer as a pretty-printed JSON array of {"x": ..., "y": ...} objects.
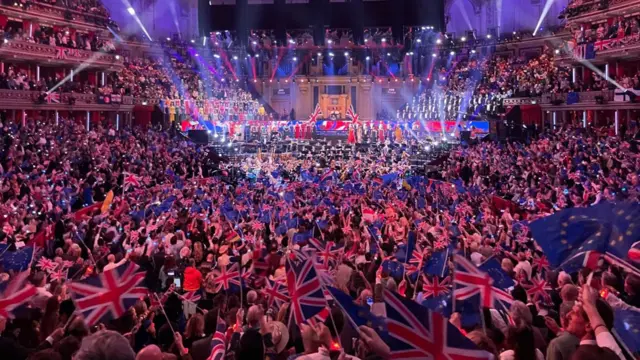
[{"x": 177, "y": 283}]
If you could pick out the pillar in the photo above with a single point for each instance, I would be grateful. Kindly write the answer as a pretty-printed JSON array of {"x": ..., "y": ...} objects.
[
  {"x": 606, "y": 71},
  {"x": 57, "y": 115},
  {"x": 37, "y": 72},
  {"x": 118, "y": 121},
  {"x": 615, "y": 118},
  {"x": 71, "y": 75},
  {"x": 102, "y": 82},
  {"x": 584, "y": 118},
  {"x": 24, "y": 117},
  {"x": 88, "y": 119},
  {"x": 573, "y": 75},
  {"x": 553, "y": 120}
]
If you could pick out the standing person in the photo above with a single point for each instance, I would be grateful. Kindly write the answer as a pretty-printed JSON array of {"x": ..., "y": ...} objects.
[{"x": 192, "y": 277}]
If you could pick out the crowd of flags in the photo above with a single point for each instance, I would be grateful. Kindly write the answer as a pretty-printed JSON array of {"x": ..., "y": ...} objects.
[{"x": 572, "y": 237}]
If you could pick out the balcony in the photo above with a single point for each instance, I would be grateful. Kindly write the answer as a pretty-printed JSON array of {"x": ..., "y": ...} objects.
[
  {"x": 45, "y": 54},
  {"x": 21, "y": 100},
  {"x": 55, "y": 15},
  {"x": 616, "y": 8}
]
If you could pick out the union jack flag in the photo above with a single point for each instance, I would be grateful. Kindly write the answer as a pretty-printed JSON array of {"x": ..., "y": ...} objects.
[
  {"x": 131, "y": 180},
  {"x": 315, "y": 114},
  {"x": 435, "y": 288},
  {"x": 538, "y": 288},
  {"x": 275, "y": 293},
  {"x": 16, "y": 292},
  {"x": 319, "y": 317},
  {"x": 191, "y": 296},
  {"x": 218, "y": 346},
  {"x": 109, "y": 293},
  {"x": 305, "y": 290},
  {"x": 223, "y": 277},
  {"x": 58, "y": 275},
  {"x": 472, "y": 281},
  {"x": 52, "y": 97},
  {"x": 61, "y": 53},
  {"x": 328, "y": 255},
  {"x": 351, "y": 113},
  {"x": 541, "y": 263},
  {"x": 47, "y": 265},
  {"x": 417, "y": 333}
]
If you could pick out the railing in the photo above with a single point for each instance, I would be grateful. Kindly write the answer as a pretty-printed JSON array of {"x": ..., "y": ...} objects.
[
  {"x": 582, "y": 97},
  {"x": 59, "y": 13},
  {"x": 594, "y": 11},
  {"x": 26, "y": 50},
  {"x": 20, "y": 99}
]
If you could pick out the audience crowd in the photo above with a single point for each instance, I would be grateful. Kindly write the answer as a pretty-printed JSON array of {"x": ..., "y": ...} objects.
[{"x": 187, "y": 221}]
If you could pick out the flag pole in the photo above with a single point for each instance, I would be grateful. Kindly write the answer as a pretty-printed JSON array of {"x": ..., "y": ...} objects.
[{"x": 164, "y": 313}]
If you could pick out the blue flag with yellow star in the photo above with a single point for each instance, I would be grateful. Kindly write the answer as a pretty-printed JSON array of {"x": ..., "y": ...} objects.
[
  {"x": 358, "y": 315},
  {"x": 18, "y": 260},
  {"x": 607, "y": 228}
]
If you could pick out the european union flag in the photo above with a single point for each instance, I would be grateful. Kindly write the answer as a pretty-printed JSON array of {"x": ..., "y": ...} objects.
[
  {"x": 627, "y": 326},
  {"x": 289, "y": 196},
  {"x": 358, "y": 315},
  {"x": 322, "y": 224},
  {"x": 302, "y": 237},
  {"x": 606, "y": 228},
  {"x": 437, "y": 264},
  {"x": 16, "y": 260},
  {"x": 388, "y": 178},
  {"x": 500, "y": 278}
]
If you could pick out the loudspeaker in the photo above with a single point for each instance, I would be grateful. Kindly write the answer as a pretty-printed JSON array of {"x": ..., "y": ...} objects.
[
  {"x": 557, "y": 102},
  {"x": 465, "y": 136},
  {"x": 199, "y": 136}
]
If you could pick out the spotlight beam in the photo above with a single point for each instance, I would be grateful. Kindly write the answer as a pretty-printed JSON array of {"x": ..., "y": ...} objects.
[{"x": 545, "y": 10}]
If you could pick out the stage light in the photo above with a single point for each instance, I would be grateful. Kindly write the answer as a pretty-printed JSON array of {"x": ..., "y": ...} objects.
[
  {"x": 229, "y": 145},
  {"x": 319, "y": 54},
  {"x": 438, "y": 41},
  {"x": 131, "y": 11},
  {"x": 204, "y": 40},
  {"x": 346, "y": 54},
  {"x": 144, "y": 103},
  {"x": 6, "y": 41},
  {"x": 384, "y": 40},
  {"x": 257, "y": 55},
  {"x": 216, "y": 56},
  {"x": 434, "y": 55},
  {"x": 295, "y": 58},
  {"x": 217, "y": 32},
  {"x": 488, "y": 36},
  {"x": 255, "y": 43},
  {"x": 452, "y": 53},
  {"x": 193, "y": 41},
  {"x": 545, "y": 10},
  {"x": 331, "y": 54},
  {"x": 215, "y": 135},
  {"x": 514, "y": 33},
  {"x": 235, "y": 57},
  {"x": 168, "y": 39},
  {"x": 197, "y": 54},
  {"x": 366, "y": 40},
  {"x": 388, "y": 54},
  {"x": 329, "y": 41},
  {"x": 367, "y": 58},
  {"x": 292, "y": 41},
  {"x": 473, "y": 51},
  {"x": 463, "y": 39},
  {"x": 557, "y": 51},
  {"x": 270, "y": 80},
  {"x": 419, "y": 40},
  {"x": 427, "y": 148},
  {"x": 117, "y": 57}
]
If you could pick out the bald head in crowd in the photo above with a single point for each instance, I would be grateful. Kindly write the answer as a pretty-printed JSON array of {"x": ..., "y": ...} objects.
[
  {"x": 252, "y": 296},
  {"x": 151, "y": 352}
]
